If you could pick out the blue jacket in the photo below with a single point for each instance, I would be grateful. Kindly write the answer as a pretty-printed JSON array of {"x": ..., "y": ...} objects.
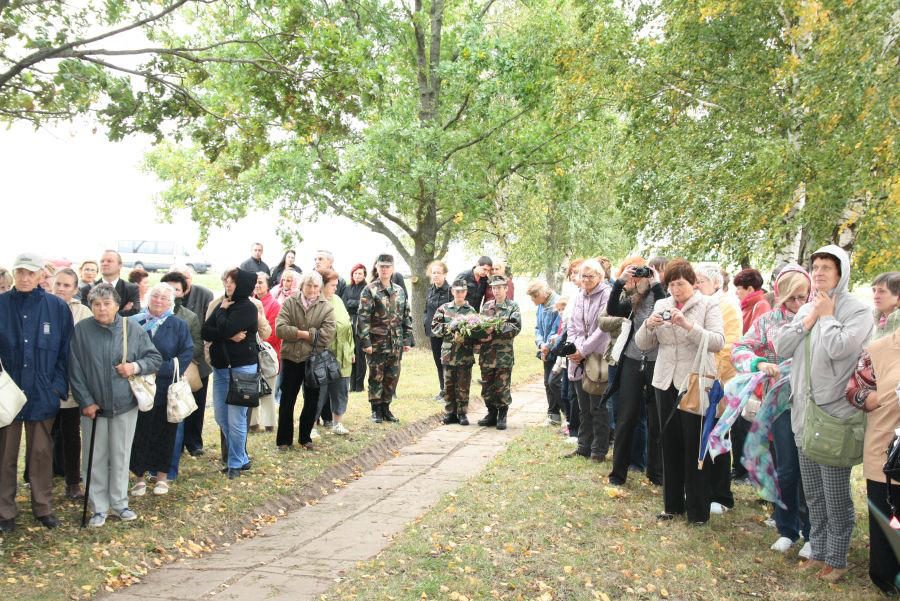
[
  {"x": 35, "y": 330},
  {"x": 547, "y": 322},
  {"x": 171, "y": 339}
]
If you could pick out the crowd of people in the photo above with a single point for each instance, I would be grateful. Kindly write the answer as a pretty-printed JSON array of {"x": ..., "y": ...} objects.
[
  {"x": 659, "y": 367},
  {"x": 704, "y": 387}
]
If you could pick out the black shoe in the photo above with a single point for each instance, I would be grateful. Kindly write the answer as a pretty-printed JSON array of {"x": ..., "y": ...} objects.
[
  {"x": 463, "y": 419},
  {"x": 234, "y": 473},
  {"x": 665, "y": 517},
  {"x": 501, "y": 418},
  {"x": 49, "y": 521},
  {"x": 196, "y": 452},
  {"x": 490, "y": 419},
  {"x": 8, "y": 525},
  {"x": 449, "y": 418},
  {"x": 655, "y": 481},
  {"x": 246, "y": 467},
  {"x": 574, "y": 454},
  {"x": 616, "y": 481},
  {"x": 388, "y": 416},
  {"x": 376, "y": 414}
]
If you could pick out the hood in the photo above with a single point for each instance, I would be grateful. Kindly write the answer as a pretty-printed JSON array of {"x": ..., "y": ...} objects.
[
  {"x": 246, "y": 282},
  {"x": 844, "y": 260},
  {"x": 789, "y": 268}
]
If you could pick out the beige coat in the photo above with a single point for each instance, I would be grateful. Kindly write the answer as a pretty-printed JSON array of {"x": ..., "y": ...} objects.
[
  {"x": 79, "y": 313},
  {"x": 880, "y": 422},
  {"x": 319, "y": 318},
  {"x": 677, "y": 346}
]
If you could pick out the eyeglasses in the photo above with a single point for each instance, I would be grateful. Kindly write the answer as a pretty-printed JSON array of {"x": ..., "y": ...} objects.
[{"x": 592, "y": 276}]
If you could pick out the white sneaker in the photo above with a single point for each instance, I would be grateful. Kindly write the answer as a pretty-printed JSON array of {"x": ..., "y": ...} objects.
[
  {"x": 572, "y": 440},
  {"x": 340, "y": 429},
  {"x": 806, "y": 551},
  {"x": 97, "y": 520},
  {"x": 314, "y": 434},
  {"x": 139, "y": 489},
  {"x": 782, "y": 544},
  {"x": 717, "y": 508},
  {"x": 769, "y": 522}
]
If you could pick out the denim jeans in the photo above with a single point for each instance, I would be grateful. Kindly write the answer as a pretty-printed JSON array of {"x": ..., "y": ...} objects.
[
  {"x": 232, "y": 419},
  {"x": 793, "y": 521},
  {"x": 176, "y": 454}
]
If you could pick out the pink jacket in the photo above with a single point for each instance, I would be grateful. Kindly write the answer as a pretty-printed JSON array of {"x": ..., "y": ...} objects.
[{"x": 583, "y": 329}]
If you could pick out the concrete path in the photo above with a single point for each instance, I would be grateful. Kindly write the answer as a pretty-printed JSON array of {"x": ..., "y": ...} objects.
[{"x": 299, "y": 557}]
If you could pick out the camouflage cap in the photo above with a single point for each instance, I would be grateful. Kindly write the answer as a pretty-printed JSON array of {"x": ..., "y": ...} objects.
[
  {"x": 385, "y": 259},
  {"x": 498, "y": 280},
  {"x": 459, "y": 285}
]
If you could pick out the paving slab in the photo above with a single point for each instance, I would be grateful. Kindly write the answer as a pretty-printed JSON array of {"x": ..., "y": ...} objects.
[{"x": 300, "y": 556}]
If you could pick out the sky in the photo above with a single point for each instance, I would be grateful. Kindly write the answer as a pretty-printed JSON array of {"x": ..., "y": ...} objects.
[{"x": 68, "y": 192}]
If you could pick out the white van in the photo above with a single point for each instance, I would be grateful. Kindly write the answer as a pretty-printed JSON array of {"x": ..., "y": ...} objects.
[{"x": 153, "y": 255}]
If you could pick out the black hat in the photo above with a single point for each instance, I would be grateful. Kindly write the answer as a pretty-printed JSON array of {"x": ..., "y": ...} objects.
[
  {"x": 385, "y": 259},
  {"x": 460, "y": 285}
]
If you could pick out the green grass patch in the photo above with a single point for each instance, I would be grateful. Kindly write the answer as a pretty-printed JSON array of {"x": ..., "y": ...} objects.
[
  {"x": 202, "y": 506},
  {"x": 536, "y": 527}
]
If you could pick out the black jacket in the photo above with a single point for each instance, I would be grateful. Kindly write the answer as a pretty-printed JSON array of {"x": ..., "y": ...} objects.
[
  {"x": 255, "y": 266},
  {"x": 350, "y": 297},
  {"x": 128, "y": 293},
  {"x": 279, "y": 271},
  {"x": 225, "y": 323},
  {"x": 475, "y": 294},
  {"x": 436, "y": 297},
  {"x": 619, "y": 305}
]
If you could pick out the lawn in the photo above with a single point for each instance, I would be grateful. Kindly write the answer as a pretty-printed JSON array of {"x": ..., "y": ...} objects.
[
  {"x": 204, "y": 510},
  {"x": 536, "y": 527}
]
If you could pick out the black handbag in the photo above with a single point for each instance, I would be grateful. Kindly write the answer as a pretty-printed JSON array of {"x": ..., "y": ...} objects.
[
  {"x": 891, "y": 471},
  {"x": 244, "y": 390},
  {"x": 321, "y": 368}
]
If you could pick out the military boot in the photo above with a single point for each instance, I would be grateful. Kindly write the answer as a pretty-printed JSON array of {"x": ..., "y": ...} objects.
[
  {"x": 463, "y": 419},
  {"x": 376, "y": 414},
  {"x": 387, "y": 415},
  {"x": 490, "y": 419},
  {"x": 501, "y": 418},
  {"x": 449, "y": 418}
]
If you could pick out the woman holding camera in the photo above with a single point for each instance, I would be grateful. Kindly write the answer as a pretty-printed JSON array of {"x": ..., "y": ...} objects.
[
  {"x": 676, "y": 328},
  {"x": 633, "y": 295}
]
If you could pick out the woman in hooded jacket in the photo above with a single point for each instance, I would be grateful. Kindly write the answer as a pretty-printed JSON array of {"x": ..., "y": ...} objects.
[{"x": 232, "y": 329}]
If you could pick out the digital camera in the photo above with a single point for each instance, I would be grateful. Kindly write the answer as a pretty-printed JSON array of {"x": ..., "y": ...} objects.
[
  {"x": 666, "y": 315},
  {"x": 642, "y": 272}
]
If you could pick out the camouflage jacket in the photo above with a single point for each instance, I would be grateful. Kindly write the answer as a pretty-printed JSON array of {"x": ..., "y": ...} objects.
[
  {"x": 452, "y": 352},
  {"x": 499, "y": 351},
  {"x": 383, "y": 318}
]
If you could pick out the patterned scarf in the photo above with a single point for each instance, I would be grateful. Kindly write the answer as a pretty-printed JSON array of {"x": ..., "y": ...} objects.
[{"x": 151, "y": 323}]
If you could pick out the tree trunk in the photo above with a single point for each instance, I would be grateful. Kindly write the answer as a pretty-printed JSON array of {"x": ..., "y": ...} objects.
[{"x": 419, "y": 286}]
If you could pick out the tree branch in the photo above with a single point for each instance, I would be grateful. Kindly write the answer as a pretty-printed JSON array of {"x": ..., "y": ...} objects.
[
  {"x": 485, "y": 135},
  {"x": 49, "y": 53},
  {"x": 462, "y": 108},
  {"x": 406, "y": 228}
]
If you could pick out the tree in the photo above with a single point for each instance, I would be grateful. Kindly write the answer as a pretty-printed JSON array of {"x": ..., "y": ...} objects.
[
  {"x": 440, "y": 105},
  {"x": 763, "y": 129}
]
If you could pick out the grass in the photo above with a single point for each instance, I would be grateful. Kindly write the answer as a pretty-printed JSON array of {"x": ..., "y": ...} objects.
[
  {"x": 532, "y": 526},
  {"x": 70, "y": 563}
]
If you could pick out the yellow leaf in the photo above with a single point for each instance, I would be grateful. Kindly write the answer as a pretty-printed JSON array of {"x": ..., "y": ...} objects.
[
  {"x": 663, "y": 593},
  {"x": 681, "y": 567},
  {"x": 567, "y": 569}
]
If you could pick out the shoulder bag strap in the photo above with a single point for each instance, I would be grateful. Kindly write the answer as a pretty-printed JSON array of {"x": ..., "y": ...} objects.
[
  {"x": 807, "y": 355},
  {"x": 698, "y": 363},
  {"x": 175, "y": 373},
  {"x": 124, "y": 340}
]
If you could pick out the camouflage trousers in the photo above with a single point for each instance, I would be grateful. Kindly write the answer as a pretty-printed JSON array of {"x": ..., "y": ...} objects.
[
  {"x": 457, "y": 379},
  {"x": 384, "y": 372},
  {"x": 495, "y": 386}
]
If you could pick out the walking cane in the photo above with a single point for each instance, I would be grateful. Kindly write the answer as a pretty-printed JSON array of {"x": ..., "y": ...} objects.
[{"x": 87, "y": 484}]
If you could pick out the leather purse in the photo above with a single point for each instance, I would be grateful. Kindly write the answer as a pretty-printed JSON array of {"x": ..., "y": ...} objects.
[
  {"x": 322, "y": 367},
  {"x": 243, "y": 389},
  {"x": 694, "y": 397}
]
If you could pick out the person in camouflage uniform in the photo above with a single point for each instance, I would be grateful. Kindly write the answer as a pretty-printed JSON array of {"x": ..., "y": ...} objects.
[
  {"x": 457, "y": 356},
  {"x": 496, "y": 358},
  {"x": 385, "y": 332}
]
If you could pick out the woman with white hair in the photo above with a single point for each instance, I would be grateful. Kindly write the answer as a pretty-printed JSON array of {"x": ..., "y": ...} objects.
[
  {"x": 584, "y": 332},
  {"x": 154, "y": 436},
  {"x": 304, "y": 320}
]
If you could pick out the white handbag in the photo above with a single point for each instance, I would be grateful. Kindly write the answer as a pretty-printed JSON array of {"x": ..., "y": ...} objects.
[
  {"x": 180, "y": 401},
  {"x": 268, "y": 358},
  {"x": 142, "y": 386},
  {"x": 12, "y": 399}
]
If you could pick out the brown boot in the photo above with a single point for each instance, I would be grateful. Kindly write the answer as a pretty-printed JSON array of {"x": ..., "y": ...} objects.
[
  {"x": 73, "y": 491},
  {"x": 831, "y": 574},
  {"x": 811, "y": 564}
]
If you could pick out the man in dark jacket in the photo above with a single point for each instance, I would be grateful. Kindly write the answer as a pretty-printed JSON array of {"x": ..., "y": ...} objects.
[
  {"x": 35, "y": 330},
  {"x": 255, "y": 264},
  {"x": 324, "y": 261},
  {"x": 196, "y": 298},
  {"x": 477, "y": 281},
  {"x": 111, "y": 271}
]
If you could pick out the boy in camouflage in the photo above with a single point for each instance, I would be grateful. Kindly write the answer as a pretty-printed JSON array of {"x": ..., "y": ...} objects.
[
  {"x": 457, "y": 354},
  {"x": 496, "y": 358},
  {"x": 385, "y": 332}
]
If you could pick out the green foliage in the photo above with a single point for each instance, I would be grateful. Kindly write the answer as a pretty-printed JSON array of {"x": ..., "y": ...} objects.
[{"x": 751, "y": 120}]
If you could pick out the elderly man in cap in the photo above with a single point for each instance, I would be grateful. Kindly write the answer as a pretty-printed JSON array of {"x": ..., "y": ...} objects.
[
  {"x": 457, "y": 354},
  {"x": 385, "y": 332},
  {"x": 35, "y": 330},
  {"x": 496, "y": 357}
]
